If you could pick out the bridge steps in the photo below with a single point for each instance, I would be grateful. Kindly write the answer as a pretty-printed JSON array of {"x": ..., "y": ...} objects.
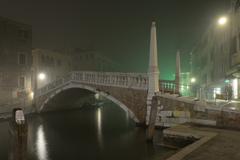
[{"x": 180, "y": 110}]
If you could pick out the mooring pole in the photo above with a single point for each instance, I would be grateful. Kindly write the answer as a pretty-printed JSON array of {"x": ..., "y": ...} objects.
[
  {"x": 18, "y": 135},
  {"x": 152, "y": 120}
]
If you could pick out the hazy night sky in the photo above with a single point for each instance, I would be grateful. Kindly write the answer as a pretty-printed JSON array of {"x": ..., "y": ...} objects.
[{"x": 118, "y": 29}]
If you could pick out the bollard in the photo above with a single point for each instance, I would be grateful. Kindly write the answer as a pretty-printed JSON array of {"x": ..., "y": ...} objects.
[
  {"x": 18, "y": 135},
  {"x": 153, "y": 114}
]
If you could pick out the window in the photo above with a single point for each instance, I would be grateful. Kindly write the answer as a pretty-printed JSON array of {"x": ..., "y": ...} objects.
[
  {"x": 233, "y": 47},
  {"x": 4, "y": 77},
  {"x": 47, "y": 60},
  {"x": 22, "y": 59},
  {"x": 59, "y": 62},
  {"x": 43, "y": 59},
  {"x": 23, "y": 34},
  {"x": 211, "y": 57},
  {"x": 51, "y": 61},
  {"x": 31, "y": 60},
  {"x": 22, "y": 82}
]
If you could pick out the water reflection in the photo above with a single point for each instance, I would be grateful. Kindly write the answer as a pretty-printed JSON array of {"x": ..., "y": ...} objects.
[
  {"x": 99, "y": 127},
  {"x": 41, "y": 144},
  {"x": 86, "y": 134}
]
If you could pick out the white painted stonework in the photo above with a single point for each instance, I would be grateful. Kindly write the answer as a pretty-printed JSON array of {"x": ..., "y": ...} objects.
[
  {"x": 137, "y": 81},
  {"x": 153, "y": 71}
]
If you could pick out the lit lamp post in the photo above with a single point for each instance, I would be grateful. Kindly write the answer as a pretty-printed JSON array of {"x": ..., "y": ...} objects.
[
  {"x": 222, "y": 21},
  {"x": 41, "y": 76},
  {"x": 192, "y": 81}
]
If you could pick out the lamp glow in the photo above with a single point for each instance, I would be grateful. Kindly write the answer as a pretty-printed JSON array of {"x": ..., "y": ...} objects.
[
  {"x": 193, "y": 80},
  {"x": 41, "y": 76},
  {"x": 235, "y": 88},
  {"x": 222, "y": 21},
  {"x": 31, "y": 95}
]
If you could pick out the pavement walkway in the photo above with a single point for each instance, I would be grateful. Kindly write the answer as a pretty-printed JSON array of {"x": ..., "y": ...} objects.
[
  {"x": 214, "y": 144},
  {"x": 224, "y": 146}
]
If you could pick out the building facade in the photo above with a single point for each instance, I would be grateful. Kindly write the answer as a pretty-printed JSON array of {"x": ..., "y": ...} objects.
[
  {"x": 216, "y": 60},
  {"x": 16, "y": 59},
  {"x": 50, "y": 64},
  {"x": 90, "y": 60}
]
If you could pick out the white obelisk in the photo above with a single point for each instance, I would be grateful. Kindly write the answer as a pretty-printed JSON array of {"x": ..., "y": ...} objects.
[
  {"x": 178, "y": 73},
  {"x": 153, "y": 71}
]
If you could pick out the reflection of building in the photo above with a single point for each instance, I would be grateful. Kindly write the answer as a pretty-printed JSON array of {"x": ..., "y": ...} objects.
[
  {"x": 51, "y": 63},
  {"x": 15, "y": 61},
  {"x": 217, "y": 59},
  {"x": 85, "y": 60}
]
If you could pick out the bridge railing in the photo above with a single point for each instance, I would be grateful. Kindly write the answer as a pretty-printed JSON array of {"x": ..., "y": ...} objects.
[
  {"x": 114, "y": 79},
  {"x": 132, "y": 80},
  {"x": 168, "y": 86}
]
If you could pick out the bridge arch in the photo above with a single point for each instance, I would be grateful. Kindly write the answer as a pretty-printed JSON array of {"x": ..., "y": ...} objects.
[{"x": 94, "y": 90}]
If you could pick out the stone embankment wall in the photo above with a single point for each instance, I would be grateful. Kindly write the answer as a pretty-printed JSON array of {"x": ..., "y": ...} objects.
[
  {"x": 178, "y": 110},
  {"x": 25, "y": 104}
]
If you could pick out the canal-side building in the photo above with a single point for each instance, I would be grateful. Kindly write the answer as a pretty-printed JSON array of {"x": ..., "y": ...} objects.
[
  {"x": 52, "y": 64},
  {"x": 216, "y": 60},
  {"x": 185, "y": 84},
  {"x": 90, "y": 60},
  {"x": 16, "y": 60}
]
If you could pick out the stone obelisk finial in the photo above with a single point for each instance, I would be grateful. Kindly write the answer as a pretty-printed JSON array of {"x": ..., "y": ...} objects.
[
  {"x": 153, "y": 72},
  {"x": 178, "y": 72}
]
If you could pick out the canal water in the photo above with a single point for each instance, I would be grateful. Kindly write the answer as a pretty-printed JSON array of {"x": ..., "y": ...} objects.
[{"x": 89, "y": 133}]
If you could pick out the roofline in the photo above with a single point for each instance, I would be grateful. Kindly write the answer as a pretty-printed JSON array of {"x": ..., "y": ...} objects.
[{"x": 16, "y": 22}]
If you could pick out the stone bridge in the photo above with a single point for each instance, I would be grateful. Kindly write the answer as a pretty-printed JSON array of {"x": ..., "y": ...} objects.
[
  {"x": 127, "y": 90},
  {"x": 133, "y": 92}
]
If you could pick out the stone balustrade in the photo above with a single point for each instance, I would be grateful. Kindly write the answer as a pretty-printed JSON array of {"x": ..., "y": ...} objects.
[
  {"x": 137, "y": 81},
  {"x": 167, "y": 86}
]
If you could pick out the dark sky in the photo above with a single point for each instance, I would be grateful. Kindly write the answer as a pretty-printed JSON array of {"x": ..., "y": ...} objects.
[{"x": 119, "y": 29}]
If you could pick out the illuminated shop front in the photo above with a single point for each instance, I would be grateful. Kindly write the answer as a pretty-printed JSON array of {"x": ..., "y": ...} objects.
[{"x": 227, "y": 90}]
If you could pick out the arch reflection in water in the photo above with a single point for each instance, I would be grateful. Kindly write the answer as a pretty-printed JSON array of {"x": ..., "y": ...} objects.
[
  {"x": 99, "y": 127},
  {"x": 41, "y": 144}
]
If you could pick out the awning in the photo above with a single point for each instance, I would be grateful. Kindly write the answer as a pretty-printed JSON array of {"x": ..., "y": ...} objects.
[{"x": 234, "y": 72}]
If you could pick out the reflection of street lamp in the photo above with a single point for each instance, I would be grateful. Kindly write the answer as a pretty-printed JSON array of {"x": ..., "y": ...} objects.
[
  {"x": 41, "y": 76},
  {"x": 222, "y": 21}
]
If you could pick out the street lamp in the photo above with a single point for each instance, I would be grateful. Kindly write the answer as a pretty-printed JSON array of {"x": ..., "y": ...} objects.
[
  {"x": 31, "y": 96},
  {"x": 193, "y": 87},
  {"x": 222, "y": 21},
  {"x": 193, "y": 80},
  {"x": 41, "y": 76},
  {"x": 227, "y": 81}
]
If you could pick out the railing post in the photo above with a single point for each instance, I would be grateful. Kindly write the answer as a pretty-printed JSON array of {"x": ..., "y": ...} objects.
[{"x": 73, "y": 75}]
